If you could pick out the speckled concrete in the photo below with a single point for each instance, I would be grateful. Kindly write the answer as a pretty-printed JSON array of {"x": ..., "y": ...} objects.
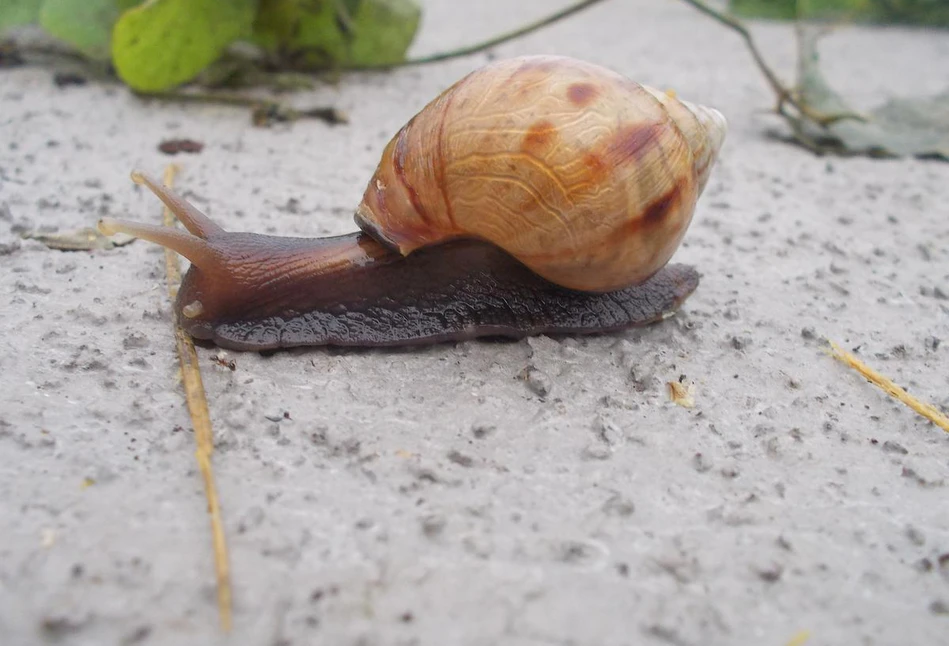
[{"x": 538, "y": 492}]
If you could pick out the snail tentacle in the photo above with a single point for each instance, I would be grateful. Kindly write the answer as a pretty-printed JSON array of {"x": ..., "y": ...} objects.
[
  {"x": 190, "y": 246},
  {"x": 194, "y": 220}
]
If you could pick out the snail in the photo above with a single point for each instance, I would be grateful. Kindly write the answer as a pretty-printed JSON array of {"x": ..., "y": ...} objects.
[{"x": 536, "y": 195}]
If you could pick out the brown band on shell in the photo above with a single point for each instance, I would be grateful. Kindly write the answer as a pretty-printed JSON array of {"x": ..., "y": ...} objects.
[
  {"x": 656, "y": 212},
  {"x": 582, "y": 94},
  {"x": 632, "y": 142},
  {"x": 439, "y": 161},
  {"x": 538, "y": 138},
  {"x": 398, "y": 163}
]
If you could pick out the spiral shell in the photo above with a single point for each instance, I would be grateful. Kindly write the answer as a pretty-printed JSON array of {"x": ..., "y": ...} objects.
[{"x": 586, "y": 177}]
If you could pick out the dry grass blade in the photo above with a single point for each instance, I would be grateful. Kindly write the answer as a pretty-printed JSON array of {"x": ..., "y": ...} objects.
[
  {"x": 928, "y": 411},
  {"x": 201, "y": 419},
  {"x": 799, "y": 639}
]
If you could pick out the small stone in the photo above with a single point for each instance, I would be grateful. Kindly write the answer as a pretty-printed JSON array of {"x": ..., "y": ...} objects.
[
  {"x": 617, "y": 505},
  {"x": 915, "y": 536},
  {"x": 481, "y": 431},
  {"x": 643, "y": 377},
  {"x": 433, "y": 525},
  {"x": 923, "y": 565},
  {"x": 137, "y": 636},
  {"x": 700, "y": 463},
  {"x": 134, "y": 341},
  {"x": 251, "y": 519},
  {"x": 7, "y": 248},
  {"x": 808, "y": 333},
  {"x": 893, "y": 447},
  {"x": 537, "y": 381},
  {"x": 225, "y": 438},
  {"x": 607, "y": 431},
  {"x": 770, "y": 574},
  {"x": 460, "y": 459},
  {"x": 597, "y": 451},
  {"x": 59, "y": 625},
  {"x": 578, "y": 553}
]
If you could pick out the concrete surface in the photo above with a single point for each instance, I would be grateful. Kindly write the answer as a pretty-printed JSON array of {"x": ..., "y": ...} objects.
[{"x": 435, "y": 496}]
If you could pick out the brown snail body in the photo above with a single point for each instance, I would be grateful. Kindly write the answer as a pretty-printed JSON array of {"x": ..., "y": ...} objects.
[{"x": 536, "y": 195}]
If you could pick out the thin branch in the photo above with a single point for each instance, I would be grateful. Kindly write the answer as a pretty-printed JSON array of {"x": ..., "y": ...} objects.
[
  {"x": 201, "y": 420},
  {"x": 483, "y": 45},
  {"x": 886, "y": 384},
  {"x": 785, "y": 95}
]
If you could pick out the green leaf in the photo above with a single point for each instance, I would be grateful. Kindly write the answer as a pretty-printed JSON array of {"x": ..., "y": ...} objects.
[
  {"x": 84, "y": 24},
  {"x": 901, "y": 127},
  {"x": 164, "y": 43},
  {"x": 320, "y": 33},
  {"x": 18, "y": 12},
  {"x": 767, "y": 9},
  {"x": 933, "y": 13}
]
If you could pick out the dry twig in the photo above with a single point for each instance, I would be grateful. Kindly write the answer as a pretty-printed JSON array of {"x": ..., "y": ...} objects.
[
  {"x": 928, "y": 411},
  {"x": 201, "y": 419}
]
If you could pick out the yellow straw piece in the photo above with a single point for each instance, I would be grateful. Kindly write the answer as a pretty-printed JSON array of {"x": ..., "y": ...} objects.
[
  {"x": 201, "y": 419},
  {"x": 928, "y": 411},
  {"x": 799, "y": 639}
]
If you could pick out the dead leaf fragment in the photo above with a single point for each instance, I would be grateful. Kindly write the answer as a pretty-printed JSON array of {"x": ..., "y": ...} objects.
[
  {"x": 267, "y": 114},
  {"x": 902, "y": 127},
  {"x": 681, "y": 393},
  {"x": 84, "y": 239}
]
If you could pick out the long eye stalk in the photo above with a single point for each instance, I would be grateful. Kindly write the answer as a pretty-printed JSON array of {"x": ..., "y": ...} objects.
[{"x": 193, "y": 245}]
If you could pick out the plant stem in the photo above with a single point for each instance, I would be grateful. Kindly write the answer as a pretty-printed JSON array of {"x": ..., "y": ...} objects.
[
  {"x": 483, "y": 45},
  {"x": 785, "y": 95}
]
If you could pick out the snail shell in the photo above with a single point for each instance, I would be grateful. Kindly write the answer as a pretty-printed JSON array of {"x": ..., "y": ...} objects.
[
  {"x": 586, "y": 177},
  {"x": 536, "y": 195}
]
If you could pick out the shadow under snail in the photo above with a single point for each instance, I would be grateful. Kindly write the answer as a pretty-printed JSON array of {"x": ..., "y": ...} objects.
[{"x": 537, "y": 195}]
